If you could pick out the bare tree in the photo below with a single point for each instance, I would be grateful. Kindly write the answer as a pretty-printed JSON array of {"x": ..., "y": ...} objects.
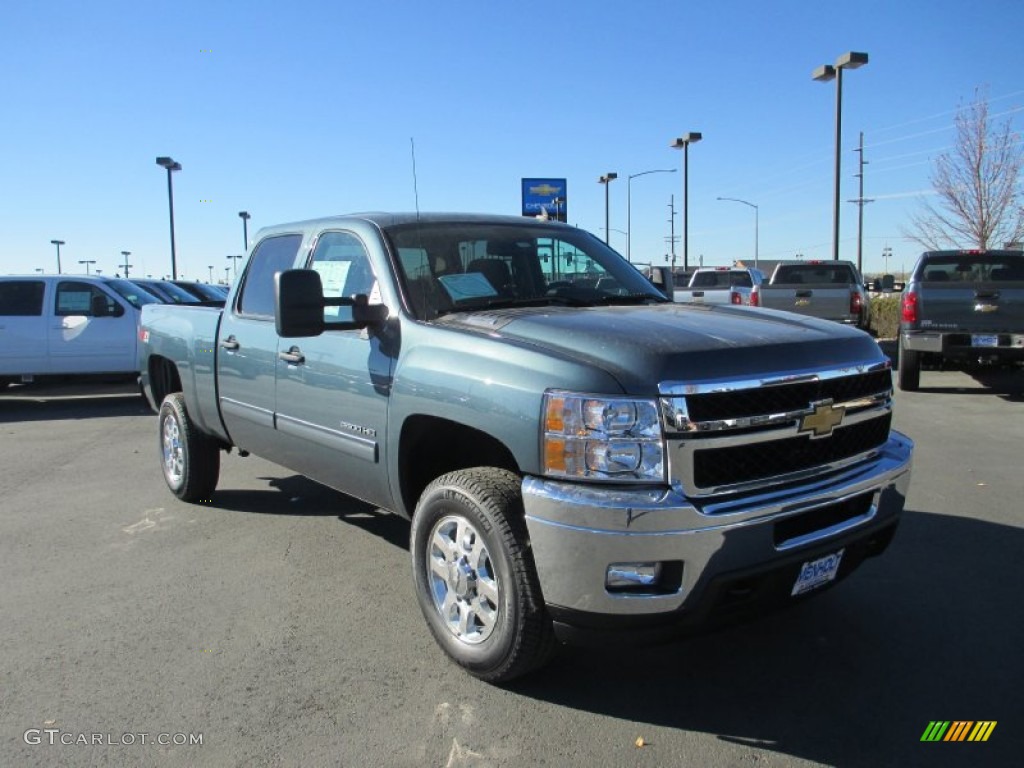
[{"x": 979, "y": 204}]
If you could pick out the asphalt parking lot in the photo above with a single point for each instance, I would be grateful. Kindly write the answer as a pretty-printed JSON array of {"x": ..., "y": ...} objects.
[{"x": 278, "y": 626}]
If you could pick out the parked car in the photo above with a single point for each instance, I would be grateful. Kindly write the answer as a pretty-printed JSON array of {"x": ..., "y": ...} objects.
[
  {"x": 167, "y": 291},
  {"x": 68, "y": 324},
  {"x": 831, "y": 290},
  {"x": 578, "y": 454},
  {"x": 204, "y": 291},
  {"x": 964, "y": 307},
  {"x": 721, "y": 285}
]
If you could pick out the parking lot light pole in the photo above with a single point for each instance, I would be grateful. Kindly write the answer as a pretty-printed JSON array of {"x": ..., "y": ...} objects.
[
  {"x": 87, "y": 262},
  {"x": 126, "y": 265},
  {"x": 607, "y": 179},
  {"x": 244, "y": 215},
  {"x": 683, "y": 143},
  {"x": 171, "y": 166},
  {"x": 756, "y": 225},
  {"x": 234, "y": 262},
  {"x": 629, "y": 205},
  {"x": 824, "y": 73},
  {"x": 58, "y": 243}
]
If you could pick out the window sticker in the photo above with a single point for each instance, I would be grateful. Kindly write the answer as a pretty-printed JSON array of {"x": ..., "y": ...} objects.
[
  {"x": 74, "y": 301},
  {"x": 470, "y": 285}
]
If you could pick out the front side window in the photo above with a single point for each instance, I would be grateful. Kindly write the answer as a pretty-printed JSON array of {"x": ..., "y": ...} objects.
[
  {"x": 344, "y": 267},
  {"x": 272, "y": 255},
  {"x": 21, "y": 298},
  {"x": 75, "y": 298}
]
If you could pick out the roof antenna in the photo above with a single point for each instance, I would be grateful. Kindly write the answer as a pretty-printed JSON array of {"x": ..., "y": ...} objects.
[{"x": 415, "y": 187}]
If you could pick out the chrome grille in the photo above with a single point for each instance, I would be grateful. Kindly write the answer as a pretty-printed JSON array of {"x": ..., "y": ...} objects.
[{"x": 728, "y": 437}]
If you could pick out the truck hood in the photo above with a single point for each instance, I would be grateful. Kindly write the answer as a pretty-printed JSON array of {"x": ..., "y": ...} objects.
[{"x": 647, "y": 348}]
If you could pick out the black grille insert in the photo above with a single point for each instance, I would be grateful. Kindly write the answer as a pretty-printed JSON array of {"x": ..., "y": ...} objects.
[
  {"x": 785, "y": 398},
  {"x": 819, "y": 519},
  {"x": 713, "y": 467}
]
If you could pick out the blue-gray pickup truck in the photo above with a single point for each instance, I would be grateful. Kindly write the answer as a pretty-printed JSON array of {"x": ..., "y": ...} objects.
[
  {"x": 962, "y": 307},
  {"x": 580, "y": 457}
]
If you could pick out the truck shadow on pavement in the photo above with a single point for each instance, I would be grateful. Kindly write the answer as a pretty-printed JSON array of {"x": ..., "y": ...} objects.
[
  {"x": 931, "y": 630},
  {"x": 298, "y": 496},
  {"x": 1006, "y": 383}
]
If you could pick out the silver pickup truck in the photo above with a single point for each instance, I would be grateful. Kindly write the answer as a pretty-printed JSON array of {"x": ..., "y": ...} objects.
[
  {"x": 579, "y": 456},
  {"x": 962, "y": 306},
  {"x": 831, "y": 290},
  {"x": 721, "y": 285}
]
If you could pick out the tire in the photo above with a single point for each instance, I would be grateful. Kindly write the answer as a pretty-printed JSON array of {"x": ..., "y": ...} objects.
[
  {"x": 908, "y": 368},
  {"x": 474, "y": 575},
  {"x": 190, "y": 460}
]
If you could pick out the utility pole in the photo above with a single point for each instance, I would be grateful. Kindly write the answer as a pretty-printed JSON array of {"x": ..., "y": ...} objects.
[
  {"x": 860, "y": 202},
  {"x": 672, "y": 228},
  {"x": 126, "y": 265}
]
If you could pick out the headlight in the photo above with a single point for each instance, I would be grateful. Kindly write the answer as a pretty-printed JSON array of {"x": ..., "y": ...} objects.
[{"x": 602, "y": 438}]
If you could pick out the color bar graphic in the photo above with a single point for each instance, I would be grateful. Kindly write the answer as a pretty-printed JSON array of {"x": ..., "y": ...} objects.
[{"x": 958, "y": 730}]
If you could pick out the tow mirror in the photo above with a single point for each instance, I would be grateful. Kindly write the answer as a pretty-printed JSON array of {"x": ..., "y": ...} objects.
[
  {"x": 99, "y": 307},
  {"x": 300, "y": 307}
]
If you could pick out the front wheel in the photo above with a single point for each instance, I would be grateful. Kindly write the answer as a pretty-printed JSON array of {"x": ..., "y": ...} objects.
[
  {"x": 190, "y": 459},
  {"x": 909, "y": 368},
  {"x": 475, "y": 578}
]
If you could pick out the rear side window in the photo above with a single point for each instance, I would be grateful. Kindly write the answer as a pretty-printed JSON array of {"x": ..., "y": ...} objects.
[
  {"x": 21, "y": 298},
  {"x": 74, "y": 298},
  {"x": 273, "y": 255}
]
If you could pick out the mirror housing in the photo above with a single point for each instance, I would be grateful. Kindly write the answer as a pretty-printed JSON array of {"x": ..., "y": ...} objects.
[
  {"x": 98, "y": 307},
  {"x": 299, "y": 306}
]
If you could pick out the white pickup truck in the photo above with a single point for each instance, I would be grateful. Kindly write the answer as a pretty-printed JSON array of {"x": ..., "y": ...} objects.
[
  {"x": 67, "y": 325},
  {"x": 721, "y": 285}
]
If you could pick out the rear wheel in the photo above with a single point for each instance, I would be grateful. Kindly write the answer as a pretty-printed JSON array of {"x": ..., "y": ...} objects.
[
  {"x": 190, "y": 460},
  {"x": 909, "y": 368},
  {"x": 475, "y": 578}
]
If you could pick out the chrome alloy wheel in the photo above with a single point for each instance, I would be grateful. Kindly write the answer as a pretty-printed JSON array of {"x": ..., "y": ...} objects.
[
  {"x": 463, "y": 584},
  {"x": 174, "y": 455}
]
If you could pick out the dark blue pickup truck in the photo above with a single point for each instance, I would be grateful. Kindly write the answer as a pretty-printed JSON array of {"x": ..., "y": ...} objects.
[{"x": 580, "y": 457}]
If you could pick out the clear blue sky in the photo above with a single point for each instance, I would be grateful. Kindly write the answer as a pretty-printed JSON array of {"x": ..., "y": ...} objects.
[{"x": 292, "y": 110}]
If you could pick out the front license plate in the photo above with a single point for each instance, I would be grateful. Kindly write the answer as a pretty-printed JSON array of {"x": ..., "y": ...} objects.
[
  {"x": 984, "y": 340},
  {"x": 814, "y": 573}
]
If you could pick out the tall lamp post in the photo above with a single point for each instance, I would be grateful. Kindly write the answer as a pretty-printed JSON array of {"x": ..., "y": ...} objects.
[
  {"x": 607, "y": 179},
  {"x": 234, "y": 263},
  {"x": 126, "y": 265},
  {"x": 756, "y": 225},
  {"x": 683, "y": 143},
  {"x": 824, "y": 73},
  {"x": 171, "y": 166},
  {"x": 244, "y": 216},
  {"x": 629, "y": 205},
  {"x": 58, "y": 243},
  {"x": 87, "y": 262}
]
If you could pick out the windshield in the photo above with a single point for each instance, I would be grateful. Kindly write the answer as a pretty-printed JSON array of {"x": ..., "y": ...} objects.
[
  {"x": 460, "y": 266},
  {"x": 132, "y": 293}
]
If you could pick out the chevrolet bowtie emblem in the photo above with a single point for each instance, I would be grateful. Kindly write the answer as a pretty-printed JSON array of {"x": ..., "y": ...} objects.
[{"x": 823, "y": 419}]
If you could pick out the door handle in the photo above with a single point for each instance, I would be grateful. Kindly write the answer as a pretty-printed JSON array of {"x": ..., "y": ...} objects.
[
  {"x": 230, "y": 343},
  {"x": 293, "y": 356}
]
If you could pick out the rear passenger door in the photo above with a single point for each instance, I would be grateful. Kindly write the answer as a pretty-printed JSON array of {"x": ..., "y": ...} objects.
[
  {"x": 22, "y": 328},
  {"x": 91, "y": 331},
  {"x": 247, "y": 348}
]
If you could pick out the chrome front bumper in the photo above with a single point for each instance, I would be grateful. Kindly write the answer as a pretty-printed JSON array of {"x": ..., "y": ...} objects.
[{"x": 577, "y": 531}]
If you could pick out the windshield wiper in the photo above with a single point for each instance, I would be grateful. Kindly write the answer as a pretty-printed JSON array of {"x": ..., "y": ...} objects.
[
  {"x": 629, "y": 298},
  {"x": 475, "y": 305}
]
